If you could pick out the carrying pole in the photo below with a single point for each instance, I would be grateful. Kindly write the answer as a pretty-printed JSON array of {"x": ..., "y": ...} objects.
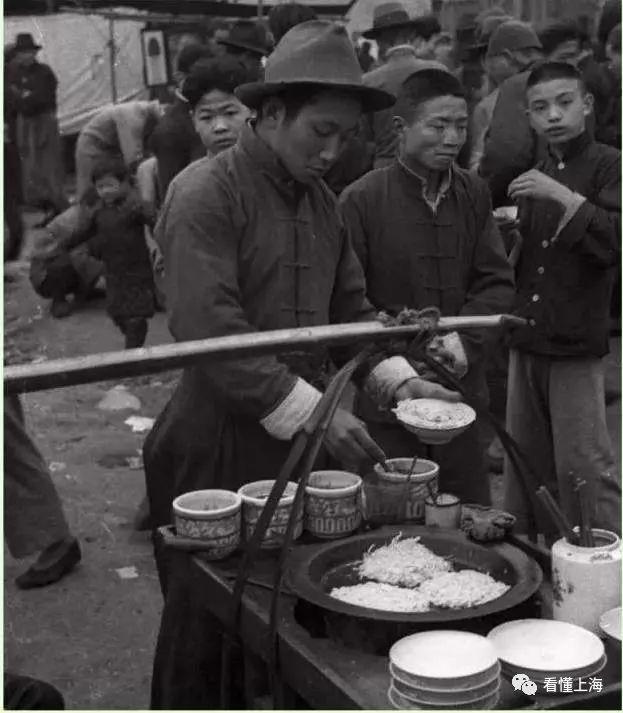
[
  {"x": 112, "y": 59},
  {"x": 59, "y": 373}
]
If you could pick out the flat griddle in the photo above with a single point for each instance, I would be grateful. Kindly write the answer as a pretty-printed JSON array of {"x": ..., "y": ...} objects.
[{"x": 316, "y": 569}]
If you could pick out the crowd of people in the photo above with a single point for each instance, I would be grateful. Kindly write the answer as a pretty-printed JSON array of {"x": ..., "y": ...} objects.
[{"x": 311, "y": 183}]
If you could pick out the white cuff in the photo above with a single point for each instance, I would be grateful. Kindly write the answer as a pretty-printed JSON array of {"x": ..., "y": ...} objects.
[
  {"x": 571, "y": 207},
  {"x": 292, "y": 413},
  {"x": 386, "y": 377},
  {"x": 452, "y": 342}
]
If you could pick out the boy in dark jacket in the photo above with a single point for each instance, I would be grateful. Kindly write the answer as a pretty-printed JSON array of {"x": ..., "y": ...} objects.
[
  {"x": 570, "y": 221},
  {"x": 116, "y": 237}
]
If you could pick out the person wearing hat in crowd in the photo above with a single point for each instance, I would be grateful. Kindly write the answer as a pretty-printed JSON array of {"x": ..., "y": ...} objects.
[
  {"x": 32, "y": 86},
  {"x": 512, "y": 46},
  {"x": 248, "y": 41},
  {"x": 174, "y": 142},
  {"x": 397, "y": 35},
  {"x": 425, "y": 236},
  {"x": 253, "y": 240},
  {"x": 285, "y": 16}
]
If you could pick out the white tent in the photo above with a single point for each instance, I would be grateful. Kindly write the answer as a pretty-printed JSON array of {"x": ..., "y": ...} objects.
[{"x": 77, "y": 49}]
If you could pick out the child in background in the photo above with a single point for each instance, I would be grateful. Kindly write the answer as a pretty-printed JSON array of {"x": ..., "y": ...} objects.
[
  {"x": 570, "y": 222},
  {"x": 217, "y": 114},
  {"x": 116, "y": 237}
]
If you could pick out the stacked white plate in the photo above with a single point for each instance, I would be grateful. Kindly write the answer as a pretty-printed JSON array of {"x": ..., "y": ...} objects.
[
  {"x": 443, "y": 669},
  {"x": 544, "y": 649}
]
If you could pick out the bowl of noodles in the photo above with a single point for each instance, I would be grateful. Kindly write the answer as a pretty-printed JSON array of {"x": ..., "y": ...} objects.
[{"x": 434, "y": 421}]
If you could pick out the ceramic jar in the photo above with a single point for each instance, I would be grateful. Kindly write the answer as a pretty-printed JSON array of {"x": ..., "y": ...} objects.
[
  {"x": 586, "y": 581},
  {"x": 391, "y": 498},
  {"x": 212, "y": 516},
  {"x": 254, "y": 498},
  {"x": 332, "y": 503}
]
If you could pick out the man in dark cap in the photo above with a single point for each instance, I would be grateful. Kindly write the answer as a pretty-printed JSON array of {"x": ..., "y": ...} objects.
[
  {"x": 32, "y": 88},
  {"x": 174, "y": 142},
  {"x": 397, "y": 35},
  {"x": 512, "y": 46},
  {"x": 248, "y": 42},
  {"x": 252, "y": 241}
]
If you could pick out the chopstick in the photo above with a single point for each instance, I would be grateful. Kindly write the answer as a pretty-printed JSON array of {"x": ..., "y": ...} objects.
[
  {"x": 556, "y": 515},
  {"x": 586, "y": 532},
  {"x": 431, "y": 492}
]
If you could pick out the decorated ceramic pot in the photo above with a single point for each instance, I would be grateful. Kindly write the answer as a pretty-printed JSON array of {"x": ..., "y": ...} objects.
[
  {"x": 212, "y": 516},
  {"x": 586, "y": 581},
  {"x": 254, "y": 497},
  {"x": 332, "y": 503},
  {"x": 392, "y": 496}
]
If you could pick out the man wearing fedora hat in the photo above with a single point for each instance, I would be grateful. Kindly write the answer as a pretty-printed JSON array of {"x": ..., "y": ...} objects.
[
  {"x": 252, "y": 240},
  {"x": 397, "y": 35},
  {"x": 32, "y": 86},
  {"x": 248, "y": 41}
]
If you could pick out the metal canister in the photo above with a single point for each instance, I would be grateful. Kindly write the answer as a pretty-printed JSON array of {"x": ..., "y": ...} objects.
[
  {"x": 443, "y": 511},
  {"x": 586, "y": 581}
]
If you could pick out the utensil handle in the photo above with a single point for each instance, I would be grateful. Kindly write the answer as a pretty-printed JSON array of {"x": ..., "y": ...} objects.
[{"x": 556, "y": 514}]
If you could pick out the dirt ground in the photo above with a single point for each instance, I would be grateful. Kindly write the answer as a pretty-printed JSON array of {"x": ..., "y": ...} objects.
[{"x": 93, "y": 634}]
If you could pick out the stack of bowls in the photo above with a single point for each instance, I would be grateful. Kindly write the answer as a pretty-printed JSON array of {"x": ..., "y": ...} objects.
[
  {"x": 543, "y": 649},
  {"x": 444, "y": 669}
]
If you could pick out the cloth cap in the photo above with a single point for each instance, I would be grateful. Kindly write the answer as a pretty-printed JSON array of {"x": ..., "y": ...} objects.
[
  {"x": 249, "y": 36},
  {"x": 318, "y": 52},
  {"x": 513, "y": 35}
]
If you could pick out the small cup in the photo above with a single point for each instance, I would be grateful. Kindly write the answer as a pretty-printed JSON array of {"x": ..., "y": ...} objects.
[
  {"x": 332, "y": 503},
  {"x": 254, "y": 498},
  {"x": 212, "y": 516},
  {"x": 444, "y": 511}
]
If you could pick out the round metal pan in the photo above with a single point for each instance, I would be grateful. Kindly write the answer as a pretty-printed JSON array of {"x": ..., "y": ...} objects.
[{"x": 318, "y": 569}]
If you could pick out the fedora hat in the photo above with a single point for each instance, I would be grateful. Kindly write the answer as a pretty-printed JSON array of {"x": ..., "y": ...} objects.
[
  {"x": 387, "y": 16},
  {"x": 317, "y": 52},
  {"x": 248, "y": 36},
  {"x": 24, "y": 41}
]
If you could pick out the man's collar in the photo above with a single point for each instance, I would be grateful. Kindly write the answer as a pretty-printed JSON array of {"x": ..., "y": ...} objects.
[
  {"x": 266, "y": 159},
  {"x": 405, "y": 50},
  {"x": 444, "y": 184},
  {"x": 572, "y": 148}
]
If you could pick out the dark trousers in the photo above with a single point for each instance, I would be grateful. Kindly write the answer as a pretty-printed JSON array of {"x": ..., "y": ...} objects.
[
  {"x": 12, "y": 201},
  {"x": 557, "y": 415},
  {"x": 33, "y": 513},
  {"x": 22, "y": 693}
]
